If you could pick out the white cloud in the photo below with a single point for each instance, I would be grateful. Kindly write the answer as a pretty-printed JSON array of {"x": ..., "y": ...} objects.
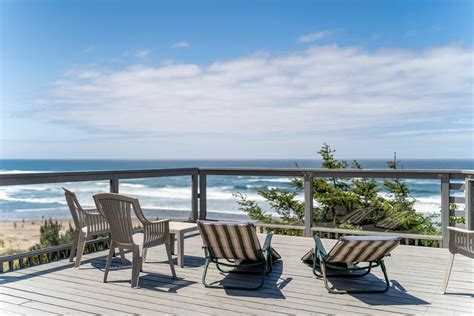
[
  {"x": 312, "y": 37},
  {"x": 320, "y": 93},
  {"x": 181, "y": 44},
  {"x": 141, "y": 53},
  {"x": 431, "y": 131}
]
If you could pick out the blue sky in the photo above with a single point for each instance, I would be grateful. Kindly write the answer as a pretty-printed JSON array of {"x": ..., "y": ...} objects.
[{"x": 236, "y": 79}]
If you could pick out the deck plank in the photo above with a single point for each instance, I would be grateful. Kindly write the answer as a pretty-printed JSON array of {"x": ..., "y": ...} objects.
[
  {"x": 8, "y": 308},
  {"x": 416, "y": 274}
]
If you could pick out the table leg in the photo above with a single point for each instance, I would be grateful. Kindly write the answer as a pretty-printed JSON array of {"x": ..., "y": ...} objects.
[
  {"x": 180, "y": 250},
  {"x": 172, "y": 238}
]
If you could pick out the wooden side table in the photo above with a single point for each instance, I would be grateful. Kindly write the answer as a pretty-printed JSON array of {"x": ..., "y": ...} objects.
[{"x": 177, "y": 230}]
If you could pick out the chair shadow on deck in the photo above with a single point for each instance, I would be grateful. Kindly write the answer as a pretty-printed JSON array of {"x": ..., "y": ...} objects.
[
  {"x": 148, "y": 280},
  {"x": 271, "y": 288},
  {"x": 396, "y": 294},
  {"x": 189, "y": 261}
]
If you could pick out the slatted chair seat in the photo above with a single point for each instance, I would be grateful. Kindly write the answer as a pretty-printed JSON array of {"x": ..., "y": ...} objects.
[
  {"x": 345, "y": 256},
  {"x": 238, "y": 245}
]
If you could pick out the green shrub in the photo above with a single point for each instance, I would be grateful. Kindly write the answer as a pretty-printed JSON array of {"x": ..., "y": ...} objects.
[
  {"x": 51, "y": 235},
  {"x": 393, "y": 212}
]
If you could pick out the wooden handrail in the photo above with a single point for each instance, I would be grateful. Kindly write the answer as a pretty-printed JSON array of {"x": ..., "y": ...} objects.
[{"x": 78, "y": 176}]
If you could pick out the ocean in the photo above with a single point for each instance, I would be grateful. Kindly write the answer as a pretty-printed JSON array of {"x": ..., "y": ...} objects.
[{"x": 171, "y": 196}]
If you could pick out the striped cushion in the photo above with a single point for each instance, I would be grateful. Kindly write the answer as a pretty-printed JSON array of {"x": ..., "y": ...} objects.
[
  {"x": 362, "y": 248},
  {"x": 230, "y": 240}
]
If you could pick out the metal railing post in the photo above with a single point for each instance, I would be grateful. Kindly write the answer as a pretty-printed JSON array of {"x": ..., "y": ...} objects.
[
  {"x": 308, "y": 204},
  {"x": 202, "y": 196},
  {"x": 194, "y": 197},
  {"x": 445, "y": 209},
  {"x": 114, "y": 185},
  {"x": 469, "y": 203}
]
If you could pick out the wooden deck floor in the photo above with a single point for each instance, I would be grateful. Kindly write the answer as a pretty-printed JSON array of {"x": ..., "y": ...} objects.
[{"x": 416, "y": 274}]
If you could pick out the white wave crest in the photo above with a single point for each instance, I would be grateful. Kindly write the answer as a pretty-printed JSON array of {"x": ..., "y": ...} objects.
[
  {"x": 6, "y": 197},
  {"x": 132, "y": 185},
  {"x": 183, "y": 193},
  {"x": 278, "y": 180},
  {"x": 5, "y": 171}
]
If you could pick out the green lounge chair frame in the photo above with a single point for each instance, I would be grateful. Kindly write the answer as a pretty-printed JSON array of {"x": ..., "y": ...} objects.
[
  {"x": 322, "y": 260},
  {"x": 263, "y": 259}
]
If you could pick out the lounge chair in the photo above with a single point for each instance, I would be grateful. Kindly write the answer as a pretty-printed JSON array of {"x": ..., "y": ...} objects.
[
  {"x": 345, "y": 256},
  {"x": 236, "y": 246},
  {"x": 87, "y": 222},
  {"x": 116, "y": 209},
  {"x": 461, "y": 241}
]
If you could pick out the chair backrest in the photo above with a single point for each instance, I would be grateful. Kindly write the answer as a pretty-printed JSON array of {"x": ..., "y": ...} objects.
[
  {"x": 362, "y": 248},
  {"x": 75, "y": 209},
  {"x": 116, "y": 209},
  {"x": 231, "y": 240}
]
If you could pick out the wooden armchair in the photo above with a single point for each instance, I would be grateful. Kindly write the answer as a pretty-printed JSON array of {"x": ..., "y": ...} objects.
[
  {"x": 461, "y": 241},
  {"x": 116, "y": 209},
  {"x": 87, "y": 222}
]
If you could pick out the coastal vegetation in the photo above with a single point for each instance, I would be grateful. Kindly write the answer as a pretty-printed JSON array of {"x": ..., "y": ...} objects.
[
  {"x": 350, "y": 203},
  {"x": 52, "y": 235}
]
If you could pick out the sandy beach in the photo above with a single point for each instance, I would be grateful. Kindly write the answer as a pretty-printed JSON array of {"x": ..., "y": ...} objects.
[{"x": 19, "y": 236}]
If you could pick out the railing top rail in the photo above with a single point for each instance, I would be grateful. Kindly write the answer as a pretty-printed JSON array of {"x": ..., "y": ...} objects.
[
  {"x": 76, "y": 176},
  {"x": 365, "y": 173}
]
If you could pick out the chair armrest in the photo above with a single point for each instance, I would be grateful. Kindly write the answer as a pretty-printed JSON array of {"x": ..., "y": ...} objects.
[
  {"x": 267, "y": 245},
  {"x": 94, "y": 221},
  {"x": 158, "y": 222},
  {"x": 155, "y": 230},
  {"x": 91, "y": 211},
  {"x": 460, "y": 230}
]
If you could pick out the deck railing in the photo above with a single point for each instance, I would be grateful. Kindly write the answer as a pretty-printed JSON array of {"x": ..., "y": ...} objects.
[{"x": 463, "y": 181}]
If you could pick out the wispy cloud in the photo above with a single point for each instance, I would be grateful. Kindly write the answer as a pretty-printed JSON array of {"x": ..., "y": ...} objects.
[
  {"x": 431, "y": 131},
  {"x": 312, "y": 37},
  {"x": 141, "y": 53},
  {"x": 181, "y": 44},
  {"x": 465, "y": 121},
  {"x": 322, "y": 92}
]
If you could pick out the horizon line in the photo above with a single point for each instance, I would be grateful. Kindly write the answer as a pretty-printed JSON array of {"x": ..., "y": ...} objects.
[{"x": 222, "y": 159}]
